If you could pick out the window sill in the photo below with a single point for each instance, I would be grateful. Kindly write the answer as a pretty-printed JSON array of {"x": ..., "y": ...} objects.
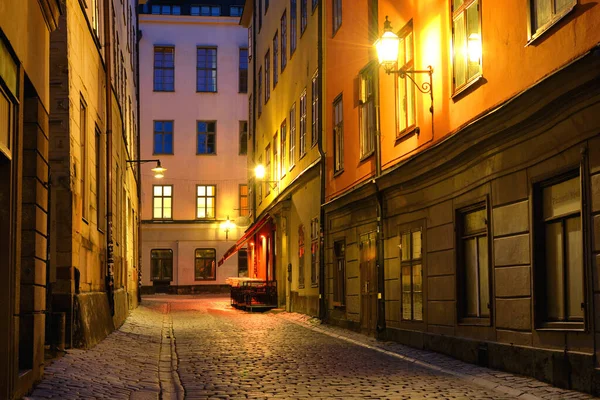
[
  {"x": 205, "y": 280},
  {"x": 540, "y": 32},
  {"x": 474, "y": 322},
  {"x": 206, "y": 154},
  {"x": 367, "y": 156},
  {"x": 314, "y": 285},
  {"x": 467, "y": 87},
  {"x": 300, "y": 286},
  {"x": 338, "y": 173},
  {"x": 163, "y": 154},
  {"x": 85, "y": 220},
  {"x": 291, "y": 168},
  {"x": 100, "y": 230},
  {"x": 339, "y": 305},
  {"x": 407, "y": 132},
  {"x": 163, "y": 91},
  {"x": 561, "y": 326},
  {"x": 335, "y": 31},
  {"x": 206, "y": 91}
]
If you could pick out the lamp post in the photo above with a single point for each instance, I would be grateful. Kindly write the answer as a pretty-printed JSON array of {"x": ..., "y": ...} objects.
[
  {"x": 387, "y": 52},
  {"x": 227, "y": 226},
  {"x": 159, "y": 170}
]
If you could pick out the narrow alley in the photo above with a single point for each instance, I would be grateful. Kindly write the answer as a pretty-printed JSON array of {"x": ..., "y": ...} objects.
[{"x": 198, "y": 347}]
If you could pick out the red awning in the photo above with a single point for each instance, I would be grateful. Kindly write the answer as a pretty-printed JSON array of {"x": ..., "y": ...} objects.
[{"x": 241, "y": 241}]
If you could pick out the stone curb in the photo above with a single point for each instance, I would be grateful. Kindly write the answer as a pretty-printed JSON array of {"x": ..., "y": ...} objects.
[{"x": 485, "y": 383}]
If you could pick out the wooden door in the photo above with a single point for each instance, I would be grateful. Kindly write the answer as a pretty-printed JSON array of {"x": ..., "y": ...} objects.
[{"x": 368, "y": 283}]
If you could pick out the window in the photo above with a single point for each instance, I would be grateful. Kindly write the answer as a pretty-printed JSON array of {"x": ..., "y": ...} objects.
[
  {"x": 473, "y": 262},
  {"x": 260, "y": 14},
  {"x": 259, "y": 186},
  {"x": 243, "y": 263},
  {"x": 303, "y": 124},
  {"x": 243, "y": 73},
  {"x": 337, "y": 15},
  {"x": 243, "y": 138},
  {"x": 206, "y": 137},
  {"x": 84, "y": 157},
  {"x": 267, "y": 77},
  {"x": 303, "y": 16},
  {"x": 267, "y": 169},
  {"x": 314, "y": 133},
  {"x": 205, "y": 261},
  {"x": 205, "y": 11},
  {"x": 544, "y": 14},
  {"x": 206, "y": 69},
  {"x": 283, "y": 41},
  {"x": 292, "y": 136},
  {"x": 412, "y": 274},
  {"x": 161, "y": 261},
  {"x": 275, "y": 44},
  {"x": 283, "y": 130},
  {"x": 314, "y": 4},
  {"x": 250, "y": 42},
  {"x": 559, "y": 252},
  {"x": 314, "y": 252},
  {"x": 338, "y": 135},
  {"x": 266, "y": 6},
  {"x": 236, "y": 11},
  {"x": 206, "y": 200},
  {"x": 405, "y": 89},
  {"x": 166, "y": 10},
  {"x": 339, "y": 274},
  {"x": 367, "y": 112},
  {"x": 293, "y": 26},
  {"x": 164, "y": 69},
  {"x": 301, "y": 257},
  {"x": 244, "y": 206},
  {"x": 100, "y": 183},
  {"x": 260, "y": 78},
  {"x": 162, "y": 202},
  {"x": 163, "y": 137},
  {"x": 466, "y": 42},
  {"x": 276, "y": 161}
]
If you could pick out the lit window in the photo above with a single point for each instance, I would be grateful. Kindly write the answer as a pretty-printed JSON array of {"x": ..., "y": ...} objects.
[
  {"x": 303, "y": 124},
  {"x": 338, "y": 135},
  {"x": 315, "y": 128},
  {"x": 162, "y": 202},
  {"x": 205, "y": 201},
  {"x": 466, "y": 42},
  {"x": 367, "y": 112},
  {"x": 405, "y": 101},
  {"x": 292, "y": 136},
  {"x": 283, "y": 131},
  {"x": 244, "y": 206}
]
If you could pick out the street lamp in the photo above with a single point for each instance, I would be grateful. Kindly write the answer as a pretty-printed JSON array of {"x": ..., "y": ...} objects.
[
  {"x": 227, "y": 226},
  {"x": 387, "y": 52},
  {"x": 158, "y": 170}
]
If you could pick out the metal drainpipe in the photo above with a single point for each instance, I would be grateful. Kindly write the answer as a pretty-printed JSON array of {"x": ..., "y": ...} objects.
[
  {"x": 379, "y": 195},
  {"x": 110, "y": 277},
  {"x": 139, "y": 149},
  {"x": 322, "y": 302}
]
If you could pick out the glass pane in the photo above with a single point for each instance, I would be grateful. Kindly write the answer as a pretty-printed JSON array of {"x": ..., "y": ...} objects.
[
  {"x": 574, "y": 261},
  {"x": 554, "y": 272},
  {"x": 210, "y": 190},
  {"x": 484, "y": 287},
  {"x": 155, "y": 269},
  {"x": 562, "y": 198},
  {"x": 210, "y": 202},
  {"x": 201, "y": 190},
  {"x": 405, "y": 246},
  {"x": 542, "y": 12},
  {"x": 474, "y": 221},
  {"x": 158, "y": 190},
  {"x": 402, "y": 103},
  {"x": 167, "y": 212},
  {"x": 167, "y": 190},
  {"x": 167, "y": 202},
  {"x": 417, "y": 277},
  {"x": 167, "y": 268},
  {"x": 416, "y": 245},
  {"x": 471, "y": 283},
  {"x": 562, "y": 5},
  {"x": 158, "y": 203},
  {"x": 473, "y": 40},
  {"x": 406, "y": 297},
  {"x": 410, "y": 105},
  {"x": 456, "y": 4},
  {"x": 460, "y": 51},
  {"x": 157, "y": 213}
]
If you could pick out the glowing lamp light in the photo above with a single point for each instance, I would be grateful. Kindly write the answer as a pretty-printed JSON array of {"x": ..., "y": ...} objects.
[
  {"x": 474, "y": 47},
  {"x": 259, "y": 171},
  {"x": 387, "y": 46},
  {"x": 227, "y": 226},
  {"x": 159, "y": 170}
]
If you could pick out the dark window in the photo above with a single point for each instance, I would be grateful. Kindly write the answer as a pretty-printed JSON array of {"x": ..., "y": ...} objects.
[
  {"x": 283, "y": 41},
  {"x": 275, "y": 50},
  {"x": 303, "y": 123},
  {"x": 100, "y": 184},
  {"x": 293, "y": 26},
  {"x": 303, "y": 15},
  {"x": 473, "y": 262},
  {"x": 206, "y": 201},
  {"x": 315, "y": 109},
  {"x": 339, "y": 273},
  {"x": 206, "y": 141},
  {"x": 367, "y": 112},
  {"x": 161, "y": 261},
  {"x": 205, "y": 11},
  {"x": 162, "y": 202},
  {"x": 236, "y": 11},
  {"x": 266, "y": 6},
  {"x": 267, "y": 77},
  {"x": 314, "y": 4},
  {"x": 164, "y": 69},
  {"x": 466, "y": 42},
  {"x": 314, "y": 252},
  {"x": 559, "y": 252},
  {"x": 243, "y": 137},
  {"x": 337, "y": 15},
  {"x": 163, "y": 137},
  {"x": 545, "y": 13},
  {"x": 206, "y": 69},
  {"x": 260, "y": 14},
  {"x": 243, "y": 73},
  {"x": 338, "y": 134},
  {"x": 259, "y": 103},
  {"x": 243, "y": 263},
  {"x": 412, "y": 274},
  {"x": 204, "y": 264},
  {"x": 166, "y": 10}
]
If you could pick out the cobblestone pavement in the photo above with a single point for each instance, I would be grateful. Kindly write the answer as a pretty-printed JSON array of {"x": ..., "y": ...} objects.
[{"x": 199, "y": 347}]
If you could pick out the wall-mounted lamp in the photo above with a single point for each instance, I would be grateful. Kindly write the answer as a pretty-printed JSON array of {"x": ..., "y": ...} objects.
[
  {"x": 227, "y": 226},
  {"x": 260, "y": 173},
  {"x": 387, "y": 52},
  {"x": 159, "y": 170}
]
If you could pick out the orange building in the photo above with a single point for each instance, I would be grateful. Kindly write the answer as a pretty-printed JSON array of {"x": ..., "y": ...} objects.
[{"x": 462, "y": 201}]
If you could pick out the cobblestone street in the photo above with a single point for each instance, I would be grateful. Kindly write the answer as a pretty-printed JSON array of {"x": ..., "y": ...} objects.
[{"x": 199, "y": 347}]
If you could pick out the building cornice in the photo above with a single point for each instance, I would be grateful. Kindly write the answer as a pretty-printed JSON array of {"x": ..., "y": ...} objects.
[
  {"x": 51, "y": 10},
  {"x": 246, "y": 18},
  {"x": 188, "y": 20}
]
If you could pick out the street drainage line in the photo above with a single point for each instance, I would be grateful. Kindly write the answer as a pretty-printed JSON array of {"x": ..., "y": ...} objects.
[
  {"x": 466, "y": 377},
  {"x": 170, "y": 384}
]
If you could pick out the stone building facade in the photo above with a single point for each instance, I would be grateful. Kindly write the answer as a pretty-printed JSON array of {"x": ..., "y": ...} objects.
[
  {"x": 25, "y": 28},
  {"x": 95, "y": 182}
]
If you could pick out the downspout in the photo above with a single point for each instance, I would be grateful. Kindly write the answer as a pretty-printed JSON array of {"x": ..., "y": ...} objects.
[
  {"x": 322, "y": 302},
  {"x": 139, "y": 149},
  {"x": 109, "y": 282},
  {"x": 380, "y": 262}
]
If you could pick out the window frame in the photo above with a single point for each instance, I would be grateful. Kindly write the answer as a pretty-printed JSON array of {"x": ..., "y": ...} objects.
[
  {"x": 241, "y": 196},
  {"x": 207, "y": 69},
  {"x": 339, "y": 280},
  {"x": 243, "y": 72},
  {"x": 206, "y": 197},
  {"x": 336, "y": 15},
  {"x": 283, "y": 152},
  {"x": 303, "y": 116},
  {"x": 338, "y": 136},
  {"x": 276, "y": 171},
  {"x": 366, "y": 104},
  {"x": 303, "y": 16},
  {"x": 293, "y": 27},
  {"x": 259, "y": 91},
  {"x": 214, "y": 264},
  {"x": 208, "y": 133},
  {"x": 83, "y": 139},
  {"x": 460, "y": 211},
  {"x": 411, "y": 228},
  {"x": 314, "y": 252},
  {"x": 161, "y": 278},
  {"x": 554, "y": 19},
  {"x": 461, "y": 11},
  {"x": 292, "y": 137},
  {"x": 408, "y": 129},
  {"x": 283, "y": 29},
  {"x": 162, "y": 49},
  {"x": 539, "y": 270},
  {"x": 275, "y": 55},
  {"x": 163, "y": 133},
  {"x": 162, "y": 207},
  {"x": 315, "y": 101},
  {"x": 243, "y": 136},
  {"x": 267, "y": 76},
  {"x": 267, "y": 170}
]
